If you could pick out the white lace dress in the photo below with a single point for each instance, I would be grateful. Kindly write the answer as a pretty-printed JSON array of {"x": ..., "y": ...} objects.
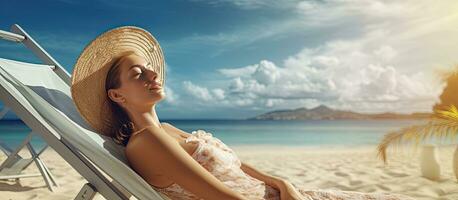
[{"x": 224, "y": 164}]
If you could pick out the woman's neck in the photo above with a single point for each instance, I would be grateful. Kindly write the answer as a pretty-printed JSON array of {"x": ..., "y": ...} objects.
[{"x": 142, "y": 119}]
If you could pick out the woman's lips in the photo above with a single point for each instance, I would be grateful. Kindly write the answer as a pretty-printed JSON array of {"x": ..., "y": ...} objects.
[{"x": 155, "y": 87}]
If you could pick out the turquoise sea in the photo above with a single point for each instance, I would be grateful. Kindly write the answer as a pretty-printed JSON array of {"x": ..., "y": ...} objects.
[{"x": 260, "y": 132}]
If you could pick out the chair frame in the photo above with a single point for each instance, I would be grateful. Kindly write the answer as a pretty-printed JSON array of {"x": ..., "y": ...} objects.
[
  {"x": 97, "y": 182},
  {"x": 13, "y": 157}
]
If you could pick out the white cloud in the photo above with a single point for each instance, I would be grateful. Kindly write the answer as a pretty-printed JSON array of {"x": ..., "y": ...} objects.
[
  {"x": 273, "y": 102},
  {"x": 266, "y": 73},
  {"x": 239, "y": 72},
  {"x": 387, "y": 65},
  {"x": 171, "y": 97},
  {"x": 196, "y": 91},
  {"x": 342, "y": 74},
  {"x": 203, "y": 93},
  {"x": 355, "y": 74},
  {"x": 360, "y": 85},
  {"x": 386, "y": 53},
  {"x": 236, "y": 85},
  {"x": 339, "y": 74},
  {"x": 218, "y": 94},
  {"x": 243, "y": 102}
]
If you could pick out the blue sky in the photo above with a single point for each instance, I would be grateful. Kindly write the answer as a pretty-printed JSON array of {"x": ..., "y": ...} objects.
[{"x": 241, "y": 58}]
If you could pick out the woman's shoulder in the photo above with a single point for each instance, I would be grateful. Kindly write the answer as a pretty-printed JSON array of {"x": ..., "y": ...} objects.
[
  {"x": 145, "y": 136},
  {"x": 170, "y": 128}
]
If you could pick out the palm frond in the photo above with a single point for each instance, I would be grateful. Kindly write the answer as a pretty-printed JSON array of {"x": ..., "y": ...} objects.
[
  {"x": 451, "y": 113},
  {"x": 443, "y": 125}
]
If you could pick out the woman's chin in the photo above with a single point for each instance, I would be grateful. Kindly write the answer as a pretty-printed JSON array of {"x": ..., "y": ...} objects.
[{"x": 157, "y": 97}]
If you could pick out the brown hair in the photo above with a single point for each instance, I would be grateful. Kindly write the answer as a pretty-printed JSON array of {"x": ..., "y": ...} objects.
[{"x": 122, "y": 126}]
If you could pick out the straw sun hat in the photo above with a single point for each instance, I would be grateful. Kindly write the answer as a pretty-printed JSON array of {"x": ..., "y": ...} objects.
[{"x": 91, "y": 68}]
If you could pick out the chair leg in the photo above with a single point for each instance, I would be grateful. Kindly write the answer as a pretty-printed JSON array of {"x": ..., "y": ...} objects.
[
  {"x": 37, "y": 156},
  {"x": 87, "y": 192},
  {"x": 41, "y": 167},
  {"x": 51, "y": 177}
]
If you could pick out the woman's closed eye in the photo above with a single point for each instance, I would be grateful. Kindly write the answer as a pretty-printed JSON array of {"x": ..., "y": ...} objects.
[{"x": 138, "y": 72}]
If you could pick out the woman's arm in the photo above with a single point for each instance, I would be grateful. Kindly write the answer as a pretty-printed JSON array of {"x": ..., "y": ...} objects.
[
  {"x": 287, "y": 190},
  {"x": 274, "y": 181}
]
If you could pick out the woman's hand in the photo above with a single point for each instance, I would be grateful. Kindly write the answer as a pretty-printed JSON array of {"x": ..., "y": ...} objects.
[{"x": 289, "y": 192}]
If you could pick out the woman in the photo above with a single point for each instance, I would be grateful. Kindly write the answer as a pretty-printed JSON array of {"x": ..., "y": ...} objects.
[{"x": 117, "y": 81}]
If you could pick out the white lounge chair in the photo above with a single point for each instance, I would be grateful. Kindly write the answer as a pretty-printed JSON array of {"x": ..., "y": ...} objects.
[{"x": 40, "y": 95}]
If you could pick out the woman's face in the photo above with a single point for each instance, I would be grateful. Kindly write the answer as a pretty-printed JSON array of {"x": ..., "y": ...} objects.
[{"x": 140, "y": 85}]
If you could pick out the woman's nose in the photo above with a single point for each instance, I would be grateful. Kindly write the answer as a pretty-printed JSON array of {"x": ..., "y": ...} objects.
[{"x": 151, "y": 75}]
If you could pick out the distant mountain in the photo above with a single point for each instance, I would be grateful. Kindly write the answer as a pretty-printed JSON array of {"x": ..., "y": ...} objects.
[{"x": 323, "y": 112}]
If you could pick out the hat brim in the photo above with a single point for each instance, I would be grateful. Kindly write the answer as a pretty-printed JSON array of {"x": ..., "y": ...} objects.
[{"x": 91, "y": 68}]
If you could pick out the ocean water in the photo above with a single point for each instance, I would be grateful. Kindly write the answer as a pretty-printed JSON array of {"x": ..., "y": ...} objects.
[{"x": 260, "y": 132}]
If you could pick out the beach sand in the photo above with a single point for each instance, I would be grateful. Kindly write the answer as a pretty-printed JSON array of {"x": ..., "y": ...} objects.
[{"x": 350, "y": 168}]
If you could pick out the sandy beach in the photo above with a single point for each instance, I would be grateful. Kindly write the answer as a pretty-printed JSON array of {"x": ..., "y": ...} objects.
[{"x": 353, "y": 169}]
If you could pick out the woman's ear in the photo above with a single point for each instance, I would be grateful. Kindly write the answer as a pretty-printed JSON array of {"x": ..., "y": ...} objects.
[{"x": 115, "y": 96}]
